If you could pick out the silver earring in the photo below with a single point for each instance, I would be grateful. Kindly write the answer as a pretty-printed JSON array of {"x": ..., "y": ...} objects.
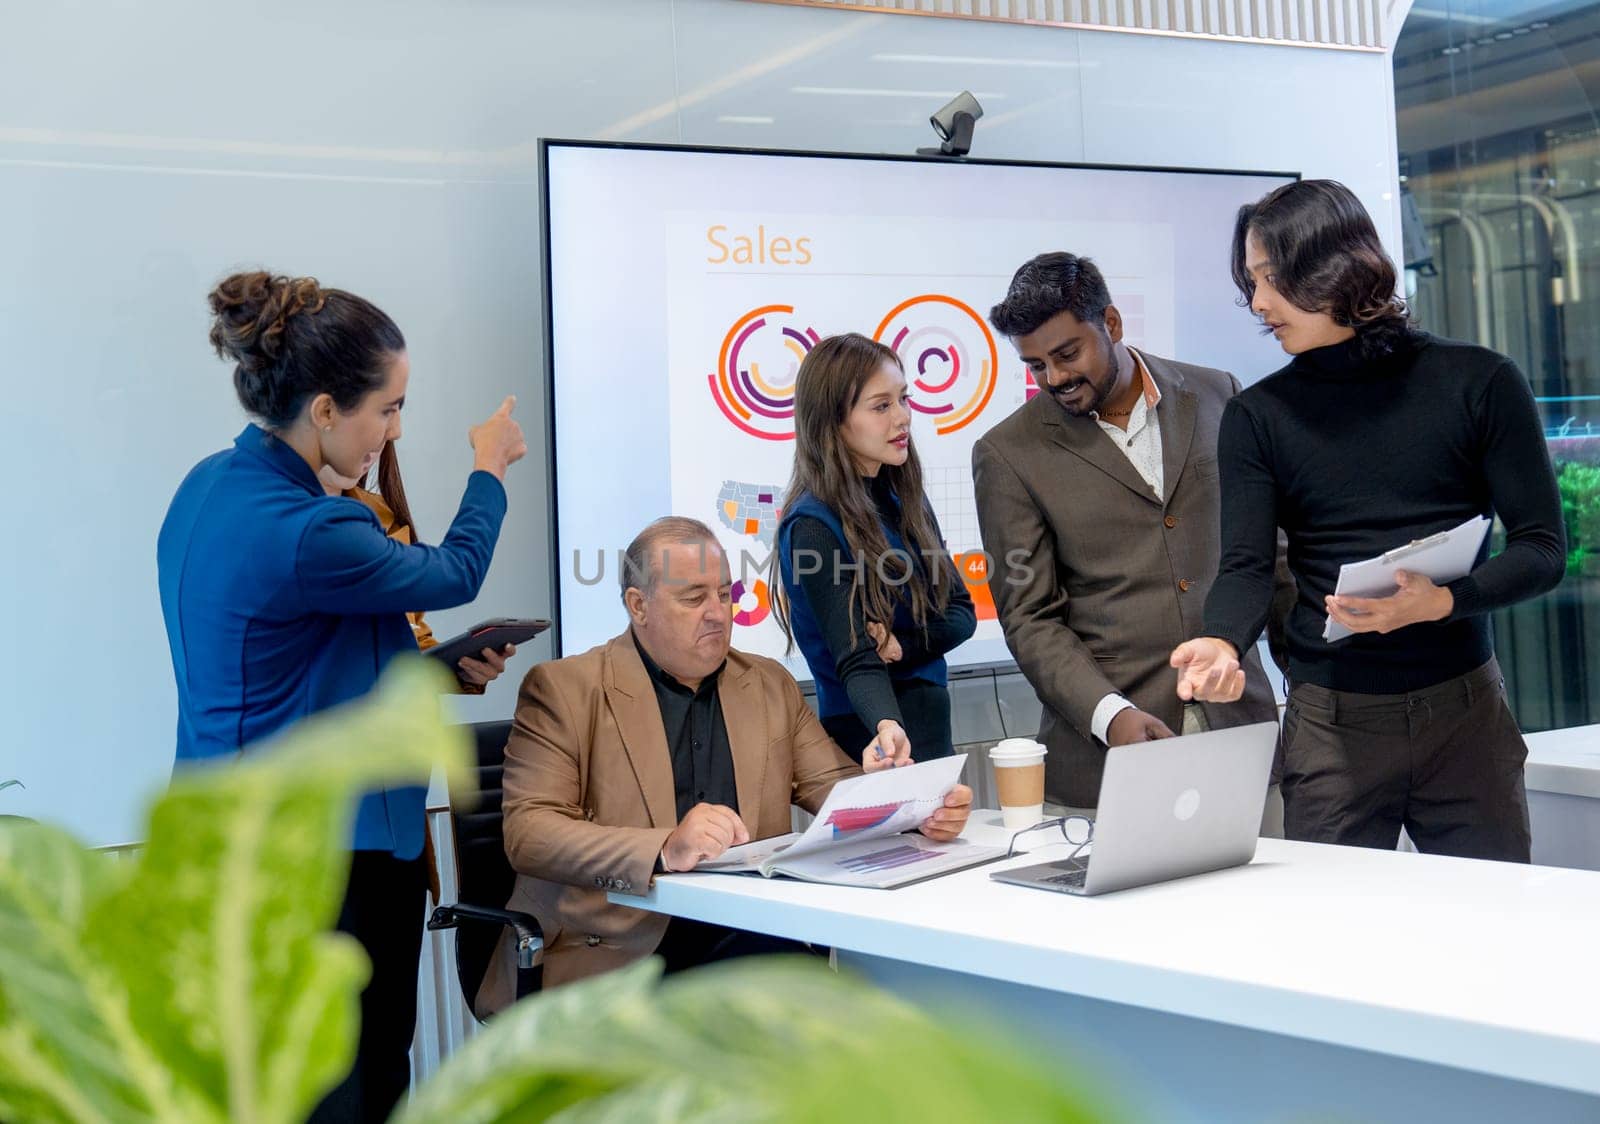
[{"x": 327, "y": 429}]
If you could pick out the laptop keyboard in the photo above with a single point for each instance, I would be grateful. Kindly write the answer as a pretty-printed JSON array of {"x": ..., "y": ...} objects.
[{"x": 1073, "y": 877}]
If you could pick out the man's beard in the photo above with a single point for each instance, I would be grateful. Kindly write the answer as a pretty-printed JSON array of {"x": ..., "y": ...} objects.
[{"x": 1099, "y": 394}]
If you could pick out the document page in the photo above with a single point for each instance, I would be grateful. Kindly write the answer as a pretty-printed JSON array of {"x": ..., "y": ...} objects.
[
  {"x": 877, "y": 804},
  {"x": 1439, "y": 558},
  {"x": 866, "y": 807},
  {"x": 884, "y": 863},
  {"x": 749, "y": 856}
]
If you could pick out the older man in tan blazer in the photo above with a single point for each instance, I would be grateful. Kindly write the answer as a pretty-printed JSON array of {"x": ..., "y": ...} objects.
[
  {"x": 654, "y": 752},
  {"x": 1098, "y": 501}
]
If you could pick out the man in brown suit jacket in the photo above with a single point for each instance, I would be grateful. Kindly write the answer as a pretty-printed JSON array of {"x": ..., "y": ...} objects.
[
  {"x": 1098, "y": 501},
  {"x": 654, "y": 752}
]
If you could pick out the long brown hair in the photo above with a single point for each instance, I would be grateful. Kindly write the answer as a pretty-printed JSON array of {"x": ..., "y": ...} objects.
[
  {"x": 393, "y": 491},
  {"x": 827, "y": 388}
]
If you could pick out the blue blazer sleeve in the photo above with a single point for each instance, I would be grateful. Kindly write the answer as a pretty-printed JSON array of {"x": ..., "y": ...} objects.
[{"x": 346, "y": 564}]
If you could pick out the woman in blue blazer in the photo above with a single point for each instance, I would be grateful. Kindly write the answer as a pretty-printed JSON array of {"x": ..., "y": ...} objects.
[{"x": 281, "y": 600}]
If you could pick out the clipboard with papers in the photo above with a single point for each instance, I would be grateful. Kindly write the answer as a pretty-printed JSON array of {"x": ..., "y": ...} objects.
[{"x": 1440, "y": 558}]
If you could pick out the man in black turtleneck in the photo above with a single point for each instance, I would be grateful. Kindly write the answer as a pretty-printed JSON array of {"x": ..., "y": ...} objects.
[{"x": 1374, "y": 435}]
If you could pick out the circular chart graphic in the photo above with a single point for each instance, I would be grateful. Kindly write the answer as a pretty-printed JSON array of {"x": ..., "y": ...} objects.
[
  {"x": 949, "y": 356},
  {"x": 757, "y": 612},
  {"x": 753, "y": 384}
]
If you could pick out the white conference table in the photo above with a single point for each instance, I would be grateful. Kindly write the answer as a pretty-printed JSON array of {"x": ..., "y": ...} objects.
[{"x": 1318, "y": 982}]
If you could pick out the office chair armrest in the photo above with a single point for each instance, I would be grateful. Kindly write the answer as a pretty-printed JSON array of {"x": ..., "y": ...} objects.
[{"x": 530, "y": 936}]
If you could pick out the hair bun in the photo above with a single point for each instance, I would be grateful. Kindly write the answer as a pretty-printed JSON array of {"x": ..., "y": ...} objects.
[{"x": 251, "y": 310}]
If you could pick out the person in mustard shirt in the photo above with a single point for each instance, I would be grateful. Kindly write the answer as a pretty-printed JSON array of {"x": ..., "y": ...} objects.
[
  {"x": 387, "y": 500},
  {"x": 394, "y": 516}
]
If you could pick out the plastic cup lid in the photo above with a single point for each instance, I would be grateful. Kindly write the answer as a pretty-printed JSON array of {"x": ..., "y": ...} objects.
[{"x": 1017, "y": 747}]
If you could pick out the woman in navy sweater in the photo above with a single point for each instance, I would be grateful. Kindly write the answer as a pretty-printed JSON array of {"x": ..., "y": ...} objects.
[
  {"x": 281, "y": 600},
  {"x": 867, "y": 589}
]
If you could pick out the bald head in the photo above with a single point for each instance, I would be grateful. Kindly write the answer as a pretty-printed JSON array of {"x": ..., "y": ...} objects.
[{"x": 676, "y": 586}]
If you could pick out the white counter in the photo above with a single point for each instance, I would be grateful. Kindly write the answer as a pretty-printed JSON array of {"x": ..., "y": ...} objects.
[
  {"x": 1565, "y": 761},
  {"x": 1563, "y": 782}
]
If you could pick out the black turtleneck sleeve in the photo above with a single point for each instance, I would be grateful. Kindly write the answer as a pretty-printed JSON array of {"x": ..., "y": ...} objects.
[
  {"x": 843, "y": 625},
  {"x": 1523, "y": 493},
  {"x": 1240, "y": 598},
  {"x": 945, "y": 631},
  {"x": 1353, "y": 456}
]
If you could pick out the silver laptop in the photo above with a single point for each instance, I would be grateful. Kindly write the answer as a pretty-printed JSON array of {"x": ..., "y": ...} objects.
[{"x": 1168, "y": 809}]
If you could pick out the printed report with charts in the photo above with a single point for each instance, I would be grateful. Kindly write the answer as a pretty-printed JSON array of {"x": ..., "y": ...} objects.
[{"x": 864, "y": 834}]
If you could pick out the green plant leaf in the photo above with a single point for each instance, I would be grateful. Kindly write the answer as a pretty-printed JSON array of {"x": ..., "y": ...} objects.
[
  {"x": 773, "y": 1039},
  {"x": 825, "y": 1046},
  {"x": 11, "y": 784},
  {"x": 200, "y": 978},
  {"x": 662, "y": 1099},
  {"x": 491, "y": 1078},
  {"x": 67, "y": 1050}
]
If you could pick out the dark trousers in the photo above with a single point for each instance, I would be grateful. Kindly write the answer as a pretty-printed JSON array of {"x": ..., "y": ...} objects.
[
  {"x": 1445, "y": 762},
  {"x": 925, "y": 715},
  {"x": 690, "y": 944},
  {"x": 383, "y": 906}
]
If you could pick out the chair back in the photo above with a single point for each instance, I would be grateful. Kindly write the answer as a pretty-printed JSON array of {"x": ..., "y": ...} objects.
[{"x": 483, "y": 875}]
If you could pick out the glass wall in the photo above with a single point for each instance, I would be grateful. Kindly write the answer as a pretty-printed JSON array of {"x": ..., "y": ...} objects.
[{"x": 1500, "y": 181}]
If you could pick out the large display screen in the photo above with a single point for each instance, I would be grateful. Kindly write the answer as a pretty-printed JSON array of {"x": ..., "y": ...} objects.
[{"x": 684, "y": 286}]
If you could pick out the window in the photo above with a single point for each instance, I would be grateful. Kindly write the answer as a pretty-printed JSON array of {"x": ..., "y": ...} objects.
[{"x": 1500, "y": 192}]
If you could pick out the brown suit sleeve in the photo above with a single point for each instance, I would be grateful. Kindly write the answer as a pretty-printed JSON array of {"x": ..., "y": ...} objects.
[
  {"x": 1031, "y": 604},
  {"x": 819, "y": 763},
  {"x": 548, "y": 834}
]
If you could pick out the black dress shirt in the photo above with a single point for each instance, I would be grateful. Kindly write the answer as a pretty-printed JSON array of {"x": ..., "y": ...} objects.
[{"x": 697, "y": 738}]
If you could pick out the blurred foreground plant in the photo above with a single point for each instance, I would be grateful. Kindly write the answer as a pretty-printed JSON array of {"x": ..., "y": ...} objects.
[
  {"x": 199, "y": 982},
  {"x": 766, "y": 1039}
]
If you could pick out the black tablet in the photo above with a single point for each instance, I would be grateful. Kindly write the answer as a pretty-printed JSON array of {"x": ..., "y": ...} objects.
[{"x": 486, "y": 634}]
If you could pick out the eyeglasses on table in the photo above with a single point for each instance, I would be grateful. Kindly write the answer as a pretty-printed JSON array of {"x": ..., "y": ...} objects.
[{"x": 1063, "y": 824}]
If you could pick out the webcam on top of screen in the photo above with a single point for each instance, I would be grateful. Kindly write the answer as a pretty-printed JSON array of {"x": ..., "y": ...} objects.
[{"x": 954, "y": 123}]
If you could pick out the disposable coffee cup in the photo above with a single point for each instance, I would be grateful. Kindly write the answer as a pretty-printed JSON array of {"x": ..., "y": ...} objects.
[{"x": 1019, "y": 779}]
